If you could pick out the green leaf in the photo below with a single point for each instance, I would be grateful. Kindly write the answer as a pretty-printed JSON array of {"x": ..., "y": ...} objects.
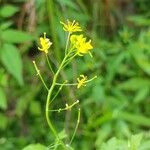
[
  {"x": 15, "y": 36},
  {"x": 125, "y": 35},
  {"x": 3, "y": 101},
  {"x": 8, "y": 10},
  {"x": 62, "y": 134},
  {"x": 135, "y": 141},
  {"x": 111, "y": 144},
  {"x": 114, "y": 144},
  {"x": 145, "y": 145},
  {"x": 114, "y": 65},
  {"x": 35, "y": 108},
  {"x": 98, "y": 92},
  {"x": 134, "y": 84},
  {"x": 19, "y": 1},
  {"x": 139, "y": 20},
  {"x": 102, "y": 134},
  {"x": 137, "y": 119},
  {"x": 141, "y": 53},
  {"x": 5, "y": 25},
  {"x": 12, "y": 61},
  {"x": 35, "y": 147},
  {"x": 4, "y": 121},
  {"x": 3, "y": 77},
  {"x": 141, "y": 95},
  {"x": 21, "y": 106}
]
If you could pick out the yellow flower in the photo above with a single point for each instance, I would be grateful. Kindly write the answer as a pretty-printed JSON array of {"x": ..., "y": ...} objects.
[
  {"x": 71, "y": 26},
  {"x": 79, "y": 42},
  {"x": 81, "y": 81},
  {"x": 45, "y": 44}
]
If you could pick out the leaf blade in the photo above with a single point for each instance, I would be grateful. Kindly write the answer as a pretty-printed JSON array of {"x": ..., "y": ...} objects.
[{"x": 11, "y": 59}]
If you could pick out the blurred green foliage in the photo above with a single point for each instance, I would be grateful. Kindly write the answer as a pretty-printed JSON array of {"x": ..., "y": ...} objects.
[{"x": 114, "y": 108}]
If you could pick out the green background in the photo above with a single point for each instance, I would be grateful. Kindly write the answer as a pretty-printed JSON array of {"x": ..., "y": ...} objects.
[{"x": 115, "y": 107}]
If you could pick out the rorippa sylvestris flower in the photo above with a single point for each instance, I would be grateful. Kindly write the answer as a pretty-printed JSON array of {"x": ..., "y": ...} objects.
[
  {"x": 45, "y": 44},
  {"x": 71, "y": 26},
  {"x": 75, "y": 45},
  {"x": 80, "y": 44},
  {"x": 81, "y": 81}
]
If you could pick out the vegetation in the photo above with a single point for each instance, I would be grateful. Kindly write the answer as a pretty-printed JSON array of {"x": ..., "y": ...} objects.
[{"x": 114, "y": 107}]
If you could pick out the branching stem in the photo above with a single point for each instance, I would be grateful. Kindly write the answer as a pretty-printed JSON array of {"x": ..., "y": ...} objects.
[{"x": 40, "y": 76}]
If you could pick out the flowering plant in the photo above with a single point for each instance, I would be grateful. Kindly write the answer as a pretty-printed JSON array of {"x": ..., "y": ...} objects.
[{"x": 76, "y": 45}]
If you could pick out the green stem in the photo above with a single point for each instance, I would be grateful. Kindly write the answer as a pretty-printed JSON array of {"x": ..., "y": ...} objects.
[
  {"x": 67, "y": 84},
  {"x": 78, "y": 121},
  {"x": 54, "y": 146},
  {"x": 49, "y": 65},
  {"x": 39, "y": 74},
  {"x": 91, "y": 79},
  {"x": 57, "y": 92},
  {"x": 48, "y": 102},
  {"x": 66, "y": 108},
  {"x": 67, "y": 42},
  {"x": 68, "y": 60}
]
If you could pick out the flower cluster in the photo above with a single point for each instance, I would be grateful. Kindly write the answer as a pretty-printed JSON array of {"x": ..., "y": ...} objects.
[
  {"x": 71, "y": 26},
  {"x": 81, "y": 81},
  {"x": 78, "y": 42},
  {"x": 45, "y": 44}
]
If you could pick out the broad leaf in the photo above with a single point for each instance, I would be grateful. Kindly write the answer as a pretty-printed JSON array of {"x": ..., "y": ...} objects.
[
  {"x": 4, "y": 121},
  {"x": 35, "y": 147},
  {"x": 134, "y": 84},
  {"x": 15, "y": 36},
  {"x": 12, "y": 61},
  {"x": 135, "y": 141},
  {"x": 5, "y": 25},
  {"x": 3, "y": 101},
  {"x": 8, "y": 10}
]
